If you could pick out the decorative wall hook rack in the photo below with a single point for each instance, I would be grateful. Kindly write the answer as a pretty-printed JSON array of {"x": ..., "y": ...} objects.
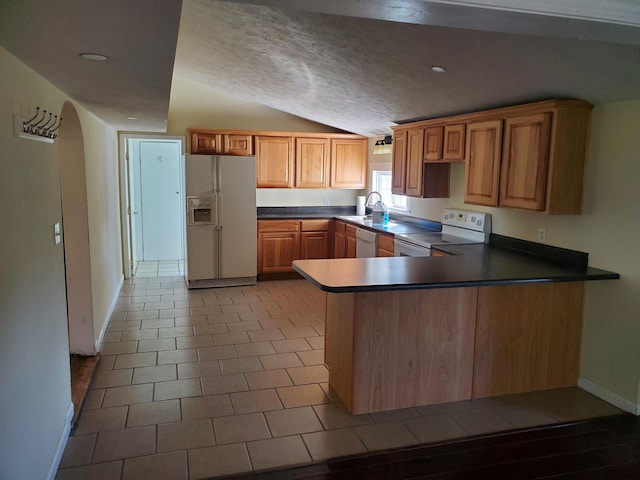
[{"x": 43, "y": 126}]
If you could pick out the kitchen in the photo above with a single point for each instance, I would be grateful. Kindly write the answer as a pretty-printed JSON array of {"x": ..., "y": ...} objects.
[{"x": 609, "y": 357}]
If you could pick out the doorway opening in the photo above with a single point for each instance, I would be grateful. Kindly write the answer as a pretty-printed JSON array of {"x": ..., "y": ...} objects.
[{"x": 153, "y": 202}]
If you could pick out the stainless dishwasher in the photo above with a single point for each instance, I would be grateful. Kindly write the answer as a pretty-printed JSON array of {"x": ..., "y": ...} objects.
[{"x": 366, "y": 243}]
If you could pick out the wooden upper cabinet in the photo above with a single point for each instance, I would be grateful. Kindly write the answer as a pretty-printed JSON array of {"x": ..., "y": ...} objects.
[
  {"x": 348, "y": 163},
  {"x": 206, "y": 143},
  {"x": 453, "y": 143},
  {"x": 238, "y": 144},
  {"x": 415, "y": 144},
  {"x": 525, "y": 162},
  {"x": 217, "y": 143},
  {"x": 433, "y": 144},
  {"x": 482, "y": 169},
  {"x": 274, "y": 161},
  {"x": 312, "y": 162},
  {"x": 399, "y": 162}
]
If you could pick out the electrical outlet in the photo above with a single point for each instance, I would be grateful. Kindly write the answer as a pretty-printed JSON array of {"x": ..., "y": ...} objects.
[
  {"x": 542, "y": 235},
  {"x": 327, "y": 202}
]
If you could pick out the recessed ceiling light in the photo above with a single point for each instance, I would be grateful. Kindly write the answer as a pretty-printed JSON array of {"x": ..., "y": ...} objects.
[
  {"x": 438, "y": 69},
  {"x": 96, "y": 57},
  {"x": 133, "y": 118},
  {"x": 349, "y": 101}
]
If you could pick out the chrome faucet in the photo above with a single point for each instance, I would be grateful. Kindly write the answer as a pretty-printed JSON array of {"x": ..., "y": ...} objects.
[{"x": 366, "y": 203}]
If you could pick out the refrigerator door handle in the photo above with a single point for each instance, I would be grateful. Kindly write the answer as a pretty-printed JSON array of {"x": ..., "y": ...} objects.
[{"x": 220, "y": 210}]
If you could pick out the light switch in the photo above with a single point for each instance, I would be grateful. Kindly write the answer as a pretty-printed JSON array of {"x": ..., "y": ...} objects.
[{"x": 57, "y": 236}]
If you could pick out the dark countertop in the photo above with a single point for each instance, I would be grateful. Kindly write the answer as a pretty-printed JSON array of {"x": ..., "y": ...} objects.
[{"x": 471, "y": 266}]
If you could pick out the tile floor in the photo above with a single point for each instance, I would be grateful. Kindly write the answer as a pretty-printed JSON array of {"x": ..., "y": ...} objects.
[
  {"x": 201, "y": 383},
  {"x": 159, "y": 268}
]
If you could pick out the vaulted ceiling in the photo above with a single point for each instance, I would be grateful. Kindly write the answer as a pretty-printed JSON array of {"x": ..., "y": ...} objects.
[{"x": 359, "y": 66}]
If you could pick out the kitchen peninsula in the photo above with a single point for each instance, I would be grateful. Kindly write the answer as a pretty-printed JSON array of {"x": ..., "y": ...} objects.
[{"x": 481, "y": 322}]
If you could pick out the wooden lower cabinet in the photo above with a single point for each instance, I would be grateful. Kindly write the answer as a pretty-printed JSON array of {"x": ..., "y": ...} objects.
[
  {"x": 385, "y": 245},
  {"x": 388, "y": 350},
  {"x": 280, "y": 242},
  {"x": 350, "y": 241},
  {"x": 314, "y": 239},
  {"x": 339, "y": 239}
]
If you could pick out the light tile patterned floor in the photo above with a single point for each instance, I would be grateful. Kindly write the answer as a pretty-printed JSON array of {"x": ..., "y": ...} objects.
[
  {"x": 159, "y": 268},
  {"x": 195, "y": 384}
]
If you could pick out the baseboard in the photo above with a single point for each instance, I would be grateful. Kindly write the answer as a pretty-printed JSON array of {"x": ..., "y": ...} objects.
[
  {"x": 114, "y": 302},
  {"x": 62, "y": 443},
  {"x": 608, "y": 396}
]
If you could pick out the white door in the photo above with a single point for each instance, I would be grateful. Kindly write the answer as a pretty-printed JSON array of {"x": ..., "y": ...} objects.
[{"x": 160, "y": 198}]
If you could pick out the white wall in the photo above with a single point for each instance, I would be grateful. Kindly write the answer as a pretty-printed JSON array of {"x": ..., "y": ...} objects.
[
  {"x": 608, "y": 230},
  {"x": 34, "y": 351}
]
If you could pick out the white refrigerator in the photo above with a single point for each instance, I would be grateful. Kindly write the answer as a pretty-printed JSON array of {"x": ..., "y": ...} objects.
[{"x": 221, "y": 221}]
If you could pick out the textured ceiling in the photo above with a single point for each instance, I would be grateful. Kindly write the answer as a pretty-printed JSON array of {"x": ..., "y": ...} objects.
[
  {"x": 356, "y": 65},
  {"x": 362, "y": 75}
]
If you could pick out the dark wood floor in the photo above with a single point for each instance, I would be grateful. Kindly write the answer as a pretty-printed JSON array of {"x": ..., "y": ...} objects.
[
  {"x": 82, "y": 368},
  {"x": 605, "y": 448}
]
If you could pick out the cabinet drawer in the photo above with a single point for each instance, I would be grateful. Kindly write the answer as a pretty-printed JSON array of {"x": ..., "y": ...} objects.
[
  {"x": 350, "y": 231},
  {"x": 278, "y": 226},
  {"x": 321, "y": 225}
]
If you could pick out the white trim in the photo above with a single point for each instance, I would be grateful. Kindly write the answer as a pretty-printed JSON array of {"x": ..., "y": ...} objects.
[
  {"x": 608, "y": 396},
  {"x": 109, "y": 313},
  {"x": 124, "y": 190},
  {"x": 62, "y": 443}
]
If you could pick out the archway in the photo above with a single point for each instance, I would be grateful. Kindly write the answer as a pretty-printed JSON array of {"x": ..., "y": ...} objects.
[{"x": 75, "y": 222}]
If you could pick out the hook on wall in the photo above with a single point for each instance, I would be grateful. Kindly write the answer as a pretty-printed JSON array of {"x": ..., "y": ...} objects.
[{"x": 41, "y": 127}]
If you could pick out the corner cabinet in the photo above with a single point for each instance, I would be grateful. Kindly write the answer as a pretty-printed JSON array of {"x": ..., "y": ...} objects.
[
  {"x": 411, "y": 175},
  {"x": 530, "y": 157}
]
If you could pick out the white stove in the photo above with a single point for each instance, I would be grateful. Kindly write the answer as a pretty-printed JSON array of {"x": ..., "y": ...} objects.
[{"x": 458, "y": 227}]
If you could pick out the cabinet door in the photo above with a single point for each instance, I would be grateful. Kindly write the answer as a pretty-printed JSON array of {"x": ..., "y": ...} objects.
[
  {"x": 385, "y": 246},
  {"x": 238, "y": 144},
  {"x": 453, "y": 150},
  {"x": 350, "y": 233},
  {"x": 482, "y": 169},
  {"x": 339, "y": 239},
  {"x": 277, "y": 250},
  {"x": 348, "y": 163},
  {"x": 433, "y": 144},
  {"x": 314, "y": 245},
  {"x": 415, "y": 162},
  {"x": 206, "y": 143},
  {"x": 274, "y": 161},
  {"x": 399, "y": 162},
  {"x": 525, "y": 162},
  {"x": 312, "y": 162}
]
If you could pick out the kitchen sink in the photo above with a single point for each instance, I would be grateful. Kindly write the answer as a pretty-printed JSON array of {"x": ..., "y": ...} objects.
[{"x": 356, "y": 218}]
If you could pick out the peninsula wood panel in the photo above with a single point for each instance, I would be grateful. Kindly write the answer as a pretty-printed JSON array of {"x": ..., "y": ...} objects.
[
  {"x": 410, "y": 347},
  {"x": 525, "y": 161},
  {"x": 527, "y": 338},
  {"x": 482, "y": 168},
  {"x": 338, "y": 345},
  {"x": 312, "y": 162}
]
